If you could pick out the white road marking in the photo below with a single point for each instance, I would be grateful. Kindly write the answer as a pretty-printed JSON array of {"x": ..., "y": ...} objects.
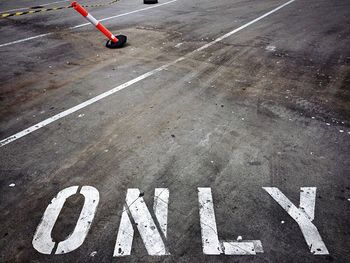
[
  {"x": 42, "y": 240},
  {"x": 270, "y": 48},
  {"x": 25, "y": 39},
  {"x": 238, "y": 248},
  {"x": 147, "y": 228},
  {"x": 210, "y": 240},
  {"x": 129, "y": 83},
  {"x": 160, "y": 208},
  {"x": 86, "y": 24},
  {"x": 257, "y": 246},
  {"x": 125, "y": 236},
  {"x": 308, "y": 201},
  {"x": 94, "y": 253},
  {"x": 125, "y": 14},
  {"x": 178, "y": 45},
  {"x": 24, "y": 8},
  {"x": 303, "y": 215}
]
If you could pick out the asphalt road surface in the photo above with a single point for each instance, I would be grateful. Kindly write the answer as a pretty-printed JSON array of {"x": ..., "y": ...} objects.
[{"x": 219, "y": 133}]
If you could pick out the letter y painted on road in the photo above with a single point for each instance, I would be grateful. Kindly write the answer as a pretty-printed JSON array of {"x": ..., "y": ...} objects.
[{"x": 304, "y": 215}]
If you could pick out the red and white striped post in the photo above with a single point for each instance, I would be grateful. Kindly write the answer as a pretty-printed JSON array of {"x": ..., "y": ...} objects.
[{"x": 115, "y": 41}]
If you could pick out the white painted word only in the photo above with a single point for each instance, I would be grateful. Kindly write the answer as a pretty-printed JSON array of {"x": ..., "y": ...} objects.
[{"x": 153, "y": 231}]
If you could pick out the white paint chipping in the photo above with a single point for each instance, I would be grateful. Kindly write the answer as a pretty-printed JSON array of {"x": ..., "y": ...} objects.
[
  {"x": 205, "y": 141},
  {"x": 94, "y": 253},
  {"x": 42, "y": 240},
  {"x": 271, "y": 48},
  {"x": 131, "y": 82},
  {"x": 146, "y": 226},
  {"x": 210, "y": 240},
  {"x": 303, "y": 215},
  {"x": 86, "y": 24}
]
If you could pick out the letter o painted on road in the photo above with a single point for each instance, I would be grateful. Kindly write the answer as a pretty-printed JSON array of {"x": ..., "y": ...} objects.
[{"x": 42, "y": 240}]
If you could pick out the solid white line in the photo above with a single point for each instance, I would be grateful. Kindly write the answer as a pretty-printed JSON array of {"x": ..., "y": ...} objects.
[
  {"x": 125, "y": 14},
  {"x": 87, "y": 24},
  {"x": 24, "y": 8},
  {"x": 25, "y": 39},
  {"x": 129, "y": 83}
]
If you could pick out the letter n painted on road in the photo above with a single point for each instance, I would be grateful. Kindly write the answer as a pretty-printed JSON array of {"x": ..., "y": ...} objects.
[
  {"x": 152, "y": 234},
  {"x": 304, "y": 215},
  {"x": 210, "y": 240},
  {"x": 42, "y": 240}
]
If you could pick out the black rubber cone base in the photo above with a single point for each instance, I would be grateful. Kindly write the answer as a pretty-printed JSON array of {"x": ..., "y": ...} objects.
[{"x": 121, "y": 42}]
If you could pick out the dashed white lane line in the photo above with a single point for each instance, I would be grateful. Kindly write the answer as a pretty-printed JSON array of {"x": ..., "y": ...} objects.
[
  {"x": 86, "y": 24},
  {"x": 131, "y": 82}
]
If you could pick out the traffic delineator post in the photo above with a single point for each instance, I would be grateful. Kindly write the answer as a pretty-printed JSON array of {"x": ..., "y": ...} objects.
[{"x": 114, "y": 41}]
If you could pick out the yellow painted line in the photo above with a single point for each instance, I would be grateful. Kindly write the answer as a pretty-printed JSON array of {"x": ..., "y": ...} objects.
[{"x": 4, "y": 15}]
